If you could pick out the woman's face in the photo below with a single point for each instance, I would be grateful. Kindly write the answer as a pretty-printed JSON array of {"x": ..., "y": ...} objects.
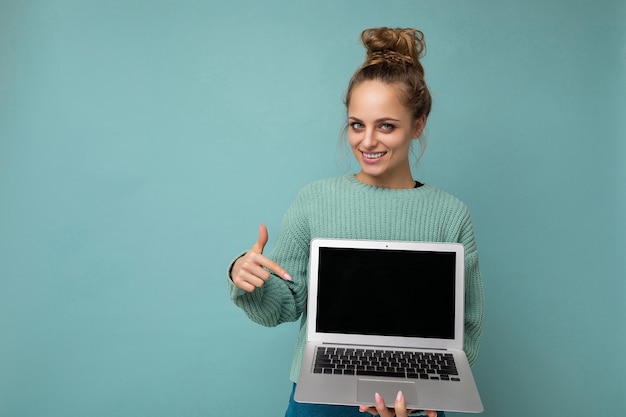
[{"x": 380, "y": 131}]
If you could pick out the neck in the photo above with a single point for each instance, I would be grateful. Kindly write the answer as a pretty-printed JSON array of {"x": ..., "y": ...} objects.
[{"x": 405, "y": 182}]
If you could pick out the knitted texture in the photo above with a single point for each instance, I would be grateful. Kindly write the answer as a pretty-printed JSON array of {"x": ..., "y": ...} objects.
[{"x": 343, "y": 207}]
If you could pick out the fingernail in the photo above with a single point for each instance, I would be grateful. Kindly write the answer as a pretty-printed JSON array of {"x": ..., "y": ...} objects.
[
  {"x": 287, "y": 276},
  {"x": 399, "y": 396},
  {"x": 377, "y": 398}
]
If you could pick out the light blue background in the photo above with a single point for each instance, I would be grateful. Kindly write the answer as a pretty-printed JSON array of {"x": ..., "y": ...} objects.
[{"x": 142, "y": 142}]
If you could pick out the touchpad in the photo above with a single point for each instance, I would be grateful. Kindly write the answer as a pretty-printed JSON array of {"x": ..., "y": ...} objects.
[{"x": 366, "y": 389}]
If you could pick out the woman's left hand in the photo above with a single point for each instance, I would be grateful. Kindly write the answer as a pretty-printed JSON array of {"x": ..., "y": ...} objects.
[{"x": 399, "y": 409}]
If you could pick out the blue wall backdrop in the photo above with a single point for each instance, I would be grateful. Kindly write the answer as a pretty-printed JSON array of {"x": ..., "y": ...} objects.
[{"x": 142, "y": 142}]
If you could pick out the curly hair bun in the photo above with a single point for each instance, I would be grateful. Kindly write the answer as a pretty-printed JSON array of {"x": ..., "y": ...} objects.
[{"x": 393, "y": 46}]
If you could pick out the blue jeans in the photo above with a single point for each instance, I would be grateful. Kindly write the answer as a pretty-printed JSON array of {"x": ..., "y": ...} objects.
[{"x": 296, "y": 409}]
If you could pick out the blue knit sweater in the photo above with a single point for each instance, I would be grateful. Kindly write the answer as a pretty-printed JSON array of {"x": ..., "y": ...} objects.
[{"x": 343, "y": 207}]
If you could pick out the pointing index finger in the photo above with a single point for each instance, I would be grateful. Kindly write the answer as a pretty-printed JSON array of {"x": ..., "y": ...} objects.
[{"x": 276, "y": 269}]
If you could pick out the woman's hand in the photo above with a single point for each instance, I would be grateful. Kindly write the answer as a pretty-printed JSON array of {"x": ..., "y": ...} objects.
[
  {"x": 399, "y": 409},
  {"x": 249, "y": 271}
]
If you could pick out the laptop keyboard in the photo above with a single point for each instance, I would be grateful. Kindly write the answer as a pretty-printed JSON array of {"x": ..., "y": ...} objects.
[{"x": 389, "y": 363}]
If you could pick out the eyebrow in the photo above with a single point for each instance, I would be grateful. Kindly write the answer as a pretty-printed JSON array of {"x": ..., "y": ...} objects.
[{"x": 382, "y": 119}]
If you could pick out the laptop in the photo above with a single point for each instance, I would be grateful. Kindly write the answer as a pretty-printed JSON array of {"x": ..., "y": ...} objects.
[{"x": 385, "y": 316}]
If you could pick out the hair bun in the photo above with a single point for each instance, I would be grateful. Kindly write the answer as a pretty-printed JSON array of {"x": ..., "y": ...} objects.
[{"x": 393, "y": 46}]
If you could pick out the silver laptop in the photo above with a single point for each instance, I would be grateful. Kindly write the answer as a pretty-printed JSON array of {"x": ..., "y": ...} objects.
[{"x": 385, "y": 316}]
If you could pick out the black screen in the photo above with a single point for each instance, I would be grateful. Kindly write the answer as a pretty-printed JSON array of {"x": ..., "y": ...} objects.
[{"x": 386, "y": 292}]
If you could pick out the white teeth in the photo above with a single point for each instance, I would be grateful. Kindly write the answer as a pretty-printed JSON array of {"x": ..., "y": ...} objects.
[{"x": 373, "y": 155}]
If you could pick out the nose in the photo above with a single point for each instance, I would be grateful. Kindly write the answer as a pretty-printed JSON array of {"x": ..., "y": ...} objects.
[{"x": 369, "y": 139}]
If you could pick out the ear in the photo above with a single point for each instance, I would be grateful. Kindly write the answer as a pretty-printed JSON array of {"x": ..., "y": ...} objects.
[{"x": 419, "y": 127}]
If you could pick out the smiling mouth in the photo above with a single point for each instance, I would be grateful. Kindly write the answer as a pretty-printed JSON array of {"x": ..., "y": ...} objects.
[{"x": 373, "y": 155}]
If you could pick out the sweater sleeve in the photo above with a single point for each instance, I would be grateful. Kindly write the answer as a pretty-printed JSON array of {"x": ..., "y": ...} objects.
[
  {"x": 279, "y": 301},
  {"x": 473, "y": 293}
]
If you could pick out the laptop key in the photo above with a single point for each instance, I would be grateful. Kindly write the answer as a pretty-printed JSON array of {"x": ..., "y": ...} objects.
[
  {"x": 381, "y": 373},
  {"x": 448, "y": 370}
]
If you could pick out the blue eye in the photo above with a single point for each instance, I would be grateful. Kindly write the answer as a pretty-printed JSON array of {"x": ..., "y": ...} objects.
[
  {"x": 387, "y": 127},
  {"x": 356, "y": 125}
]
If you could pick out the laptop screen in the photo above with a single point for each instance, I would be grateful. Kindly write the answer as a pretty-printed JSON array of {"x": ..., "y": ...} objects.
[{"x": 388, "y": 292}]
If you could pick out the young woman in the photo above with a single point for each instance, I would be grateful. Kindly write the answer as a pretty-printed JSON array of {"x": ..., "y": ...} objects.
[{"x": 387, "y": 104}]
